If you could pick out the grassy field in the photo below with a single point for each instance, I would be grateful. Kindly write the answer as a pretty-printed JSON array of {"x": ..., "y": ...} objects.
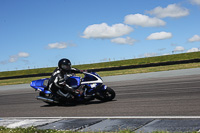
[
  {"x": 110, "y": 73},
  {"x": 34, "y": 130},
  {"x": 176, "y": 57}
]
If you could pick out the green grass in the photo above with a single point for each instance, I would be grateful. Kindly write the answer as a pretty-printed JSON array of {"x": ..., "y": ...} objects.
[
  {"x": 29, "y": 130},
  {"x": 140, "y": 61},
  {"x": 176, "y": 57},
  {"x": 110, "y": 73},
  {"x": 26, "y": 72},
  {"x": 20, "y": 80},
  {"x": 150, "y": 69},
  {"x": 35, "y": 130}
]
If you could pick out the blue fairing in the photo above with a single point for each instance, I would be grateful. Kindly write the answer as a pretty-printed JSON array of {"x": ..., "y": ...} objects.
[
  {"x": 47, "y": 92},
  {"x": 39, "y": 85},
  {"x": 75, "y": 81},
  {"x": 103, "y": 87}
]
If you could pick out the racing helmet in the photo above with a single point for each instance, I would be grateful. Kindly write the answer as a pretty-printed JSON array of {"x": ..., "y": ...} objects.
[{"x": 64, "y": 64}]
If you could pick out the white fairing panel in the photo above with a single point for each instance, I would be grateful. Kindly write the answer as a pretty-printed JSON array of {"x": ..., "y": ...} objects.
[{"x": 95, "y": 81}]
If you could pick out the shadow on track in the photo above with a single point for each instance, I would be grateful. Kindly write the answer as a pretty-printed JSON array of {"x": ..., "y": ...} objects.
[{"x": 75, "y": 104}]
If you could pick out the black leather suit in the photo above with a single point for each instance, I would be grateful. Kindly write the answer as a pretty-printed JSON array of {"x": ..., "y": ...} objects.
[{"x": 58, "y": 82}]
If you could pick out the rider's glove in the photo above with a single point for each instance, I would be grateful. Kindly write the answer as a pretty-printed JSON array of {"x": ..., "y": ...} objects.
[{"x": 82, "y": 71}]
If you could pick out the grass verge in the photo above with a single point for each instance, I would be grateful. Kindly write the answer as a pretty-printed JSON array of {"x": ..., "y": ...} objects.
[
  {"x": 35, "y": 130},
  {"x": 111, "y": 73},
  {"x": 140, "y": 61},
  {"x": 30, "y": 130}
]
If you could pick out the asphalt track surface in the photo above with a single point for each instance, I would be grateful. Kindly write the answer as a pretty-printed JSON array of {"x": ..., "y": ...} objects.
[
  {"x": 158, "y": 101},
  {"x": 169, "y": 95}
]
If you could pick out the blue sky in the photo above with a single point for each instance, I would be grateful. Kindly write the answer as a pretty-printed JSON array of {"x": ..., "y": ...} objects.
[{"x": 37, "y": 33}]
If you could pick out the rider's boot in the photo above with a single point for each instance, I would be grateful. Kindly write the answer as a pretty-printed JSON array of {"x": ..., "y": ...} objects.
[{"x": 55, "y": 97}]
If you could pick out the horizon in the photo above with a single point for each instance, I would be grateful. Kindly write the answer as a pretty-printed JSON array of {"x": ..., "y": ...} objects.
[{"x": 91, "y": 63}]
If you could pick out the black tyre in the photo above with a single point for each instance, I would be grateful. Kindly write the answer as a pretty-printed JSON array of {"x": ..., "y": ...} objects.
[{"x": 108, "y": 95}]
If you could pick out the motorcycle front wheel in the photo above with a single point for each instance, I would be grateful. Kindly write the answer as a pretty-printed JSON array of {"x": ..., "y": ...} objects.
[{"x": 107, "y": 95}]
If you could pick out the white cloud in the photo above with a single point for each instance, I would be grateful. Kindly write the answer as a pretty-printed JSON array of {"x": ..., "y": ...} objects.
[
  {"x": 172, "y": 10},
  {"x": 59, "y": 45},
  {"x": 179, "y": 49},
  {"x": 193, "y": 50},
  {"x": 126, "y": 40},
  {"x": 23, "y": 54},
  {"x": 143, "y": 20},
  {"x": 195, "y": 38},
  {"x": 14, "y": 58},
  {"x": 104, "y": 31},
  {"x": 150, "y": 54},
  {"x": 195, "y": 2},
  {"x": 159, "y": 36}
]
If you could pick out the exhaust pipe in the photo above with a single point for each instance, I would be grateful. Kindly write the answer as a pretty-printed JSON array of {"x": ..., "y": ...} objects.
[{"x": 46, "y": 99}]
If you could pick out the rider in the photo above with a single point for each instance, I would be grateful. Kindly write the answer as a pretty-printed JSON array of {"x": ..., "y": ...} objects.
[{"x": 58, "y": 81}]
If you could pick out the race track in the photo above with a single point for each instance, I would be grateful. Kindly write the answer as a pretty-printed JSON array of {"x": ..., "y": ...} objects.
[{"x": 175, "y": 95}]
